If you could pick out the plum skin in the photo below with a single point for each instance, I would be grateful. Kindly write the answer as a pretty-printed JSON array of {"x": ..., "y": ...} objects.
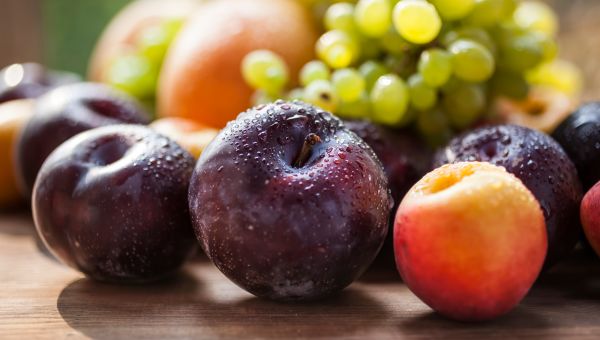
[
  {"x": 32, "y": 81},
  {"x": 541, "y": 164},
  {"x": 283, "y": 231},
  {"x": 112, "y": 203},
  {"x": 63, "y": 113},
  {"x": 579, "y": 135}
]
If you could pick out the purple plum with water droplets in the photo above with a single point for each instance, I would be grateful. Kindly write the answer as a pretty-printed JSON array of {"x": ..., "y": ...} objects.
[
  {"x": 112, "y": 203},
  {"x": 288, "y": 203}
]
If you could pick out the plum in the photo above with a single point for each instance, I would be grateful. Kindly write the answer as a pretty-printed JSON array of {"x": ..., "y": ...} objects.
[
  {"x": 30, "y": 80},
  {"x": 112, "y": 203},
  {"x": 288, "y": 203},
  {"x": 63, "y": 113},
  {"x": 543, "y": 166},
  {"x": 405, "y": 160},
  {"x": 579, "y": 135}
]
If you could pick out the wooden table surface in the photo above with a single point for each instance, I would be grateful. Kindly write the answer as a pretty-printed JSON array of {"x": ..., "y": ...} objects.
[{"x": 40, "y": 298}]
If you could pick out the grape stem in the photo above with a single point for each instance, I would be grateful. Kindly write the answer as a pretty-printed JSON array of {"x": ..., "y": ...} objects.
[{"x": 310, "y": 140}]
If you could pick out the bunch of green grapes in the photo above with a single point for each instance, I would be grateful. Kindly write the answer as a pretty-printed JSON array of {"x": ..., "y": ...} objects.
[
  {"x": 136, "y": 69},
  {"x": 436, "y": 65}
]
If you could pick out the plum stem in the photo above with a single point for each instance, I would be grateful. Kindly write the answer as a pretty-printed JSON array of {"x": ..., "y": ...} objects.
[{"x": 310, "y": 140}]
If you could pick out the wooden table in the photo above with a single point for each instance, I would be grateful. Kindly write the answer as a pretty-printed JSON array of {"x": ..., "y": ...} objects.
[{"x": 40, "y": 298}]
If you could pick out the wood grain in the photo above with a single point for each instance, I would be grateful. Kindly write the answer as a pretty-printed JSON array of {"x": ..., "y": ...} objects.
[{"x": 40, "y": 298}]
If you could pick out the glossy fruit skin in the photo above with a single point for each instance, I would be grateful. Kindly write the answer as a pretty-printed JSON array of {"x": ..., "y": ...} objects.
[
  {"x": 201, "y": 78},
  {"x": 579, "y": 135},
  {"x": 112, "y": 203},
  {"x": 590, "y": 217},
  {"x": 405, "y": 160},
  {"x": 283, "y": 231},
  {"x": 30, "y": 80},
  {"x": 470, "y": 240},
  {"x": 190, "y": 135},
  {"x": 65, "y": 112},
  {"x": 543, "y": 166}
]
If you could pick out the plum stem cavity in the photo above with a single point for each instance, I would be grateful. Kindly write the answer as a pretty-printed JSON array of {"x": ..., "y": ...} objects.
[{"x": 304, "y": 154}]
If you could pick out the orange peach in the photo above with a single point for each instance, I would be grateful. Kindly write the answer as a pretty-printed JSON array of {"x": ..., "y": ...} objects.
[
  {"x": 201, "y": 78},
  {"x": 470, "y": 240},
  {"x": 13, "y": 116},
  {"x": 190, "y": 135}
]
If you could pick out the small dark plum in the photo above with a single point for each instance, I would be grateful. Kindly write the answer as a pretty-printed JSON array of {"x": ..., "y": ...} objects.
[
  {"x": 579, "y": 135},
  {"x": 63, "y": 113},
  {"x": 405, "y": 158},
  {"x": 112, "y": 203},
  {"x": 541, "y": 164},
  {"x": 288, "y": 203},
  {"x": 30, "y": 80}
]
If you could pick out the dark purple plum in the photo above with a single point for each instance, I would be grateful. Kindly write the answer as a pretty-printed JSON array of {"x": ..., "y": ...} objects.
[
  {"x": 288, "y": 203},
  {"x": 65, "y": 112},
  {"x": 30, "y": 80},
  {"x": 112, "y": 203},
  {"x": 541, "y": 164},
  {"x": 405, "y": 158},
  {"x": 579, "y": 135}
]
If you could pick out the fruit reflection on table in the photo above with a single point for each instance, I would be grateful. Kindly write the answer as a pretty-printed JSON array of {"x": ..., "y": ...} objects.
[{"x": 457, "y": 140}]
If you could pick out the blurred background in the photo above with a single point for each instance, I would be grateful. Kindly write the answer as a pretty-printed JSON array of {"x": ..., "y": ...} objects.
[{"x": 62, "y": 33}]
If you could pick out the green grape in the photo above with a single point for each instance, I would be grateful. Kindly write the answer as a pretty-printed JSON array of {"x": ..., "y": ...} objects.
[
  {"x": 393, "y": 43},
  {"x": 389, "y": 100},
  {"x": 453, "y": 9},
  {"x": 435, "y": 66},
  {"x": 154, "y": 40},
  {"x": 463, "y": 103},
  {"x": 371, "y": 71},
  {"x": 547, "y": 44},
  {"x": 314, "y": 70},
  {"x": 558, "y": 74},
  {"x": 358, "y": 109},
  {"x": 417, "y": 21},
  {"x": 434, "y": 126},
  {"x": 403, "y": 64},
  {"x": 340, "y": 16},
  {"x": 134, "y": 74},
  {"x": 338, "y": 49},
  {"x": 265, "y": 70},
  {"x": 521, "y": 52},
  {"x": 512, "y": 85},
  {"x": 321, "y": 94},
  {"x": 261, "y": 97},
  {"x": 536, "y": 16},
  {"x": 472, "y": 33},
  {"x": 348, "y": 84},
  {"x": 508, "y": 8},
  {"x": 296, "y": 94},
  {"x": 471, "y": 61},
  {"x": 422, "y": 96},
  {"x": 486, "y": 13},
  {"x": 373, "y": 17}
]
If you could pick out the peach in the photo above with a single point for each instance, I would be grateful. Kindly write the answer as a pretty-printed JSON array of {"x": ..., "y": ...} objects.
[
  {"x": 590, "y": 217},
  {"x": 13, "y": 116},
  {"x": 190, "y": 135},
  {"x": 201, "y": 77},
  {"x": 470, "y": 240}
]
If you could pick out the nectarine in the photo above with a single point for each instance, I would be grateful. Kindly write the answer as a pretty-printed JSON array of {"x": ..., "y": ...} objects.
[
  {"x": 13, "y": 116},
  {"x": 470, "y": 240},
  {"x": 201, "y": 77}
]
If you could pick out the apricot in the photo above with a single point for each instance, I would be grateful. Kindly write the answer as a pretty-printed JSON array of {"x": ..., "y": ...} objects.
[
  {"x": 188, "y": 134},
  {"x": 470, "y": 240},
  {"x": 201, "y": 78},
  {"x": 13, "y": 116}
]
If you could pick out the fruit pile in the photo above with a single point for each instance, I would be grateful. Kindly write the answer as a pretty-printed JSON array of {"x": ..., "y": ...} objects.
[
  {"x": 438, "y": 65},
  {"x": 288, "y": 200}
]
